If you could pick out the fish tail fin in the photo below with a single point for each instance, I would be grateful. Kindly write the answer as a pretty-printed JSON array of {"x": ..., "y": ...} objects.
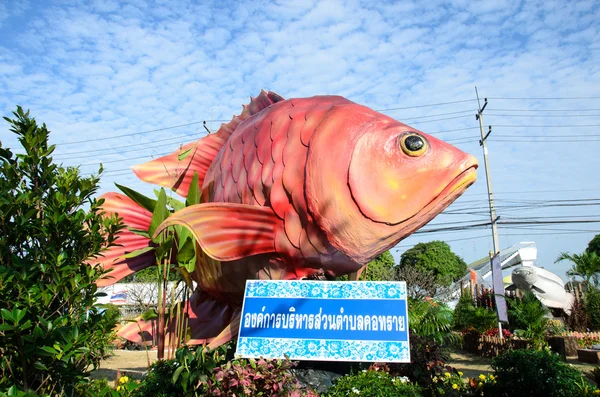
[
  {"x": 176, "y": 170},
  {"x": 205, "y": 319},
  {"x": 115, "y": 259}
]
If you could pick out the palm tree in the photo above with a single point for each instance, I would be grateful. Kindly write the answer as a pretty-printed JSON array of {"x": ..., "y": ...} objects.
[{"x": 586, "y": 265}]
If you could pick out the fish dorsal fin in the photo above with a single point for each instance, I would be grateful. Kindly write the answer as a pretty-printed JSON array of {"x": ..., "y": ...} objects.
[
  {"x": 176, "y": 170},
  {"x": 228, "y": 231}
]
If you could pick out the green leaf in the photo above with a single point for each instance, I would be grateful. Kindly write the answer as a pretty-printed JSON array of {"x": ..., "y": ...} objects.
[
  {"x": 164, "y": 249},
  {"x": 177, "y": 373},
  {"x": 193, "y": 196},
  {"x": 19, "y": 314},
  {"x": 145, "y": 202},
  {"x": 181, "y": 156},
  {"x": 139, "y": 252},
  {"x": 7, "y": 315},
  {"x": 186, "y": 251},
  {"x": 49, "y": 350},
  {"x": 149, "y": 315},
  {"x": 159, "y": 215}
]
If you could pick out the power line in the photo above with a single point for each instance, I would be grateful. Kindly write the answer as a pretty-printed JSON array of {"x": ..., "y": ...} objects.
[
  {"x": 545, "y": 98},
  {"x": 135, "y": 133},
  {"x": 424, "y": 106},
  {"x": 137, "y": 146}
]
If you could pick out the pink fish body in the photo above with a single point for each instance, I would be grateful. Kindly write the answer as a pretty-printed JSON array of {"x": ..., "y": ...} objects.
[{"x": 295, "y": 187}]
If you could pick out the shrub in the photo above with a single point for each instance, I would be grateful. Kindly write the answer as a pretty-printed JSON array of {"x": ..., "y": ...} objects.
[
  {"x": 426, "y": 361},
  {"x": 51, "y": 332},
  {"x": 578, "y": 320},
  {"x": 533, "y": 373},
  {"x": 251, "y": 377},
  {"x": 431, "y": 321},
  {"x": 591, "y": 304},
  {"x": 448, "y": 383},
  {"x": 468, "y": 316},
  {"x": 373, "y": 384},
  {"x": 528, "y": 317},
  {"x": 159, "y": 381}
]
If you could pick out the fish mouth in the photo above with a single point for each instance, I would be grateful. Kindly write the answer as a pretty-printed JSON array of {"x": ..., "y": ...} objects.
[{"x": 455, "y": 188}]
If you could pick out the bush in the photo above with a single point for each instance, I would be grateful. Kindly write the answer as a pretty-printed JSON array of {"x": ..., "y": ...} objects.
[
  {"x": 51, "y": 332},
  {"x": 159, "y": 381},
  {"x": 251, "y": 377},
  {"x": 591, "y": 304},
  {"x": 533, "y": 373},
  {"x": 426, "y": 361},
  {"x": 527, "y": 316},
  {"x": 578, "y": 320},
  {"x": 468, "y": 316},
  {"x": 373, "y": 384}
]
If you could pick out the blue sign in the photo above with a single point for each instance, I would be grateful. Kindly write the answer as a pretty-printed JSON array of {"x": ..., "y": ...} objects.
[{"x": 325, "y": 320}]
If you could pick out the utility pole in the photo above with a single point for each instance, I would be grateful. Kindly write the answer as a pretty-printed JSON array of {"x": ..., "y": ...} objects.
[
  {"x": 493, "y": 218},
  {"x": 482, "y": 142}
]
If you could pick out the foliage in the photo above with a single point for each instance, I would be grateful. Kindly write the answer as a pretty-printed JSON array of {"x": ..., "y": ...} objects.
[
  {"x": 585, "y": 265},
  {"x": 594, "y": 375},
  {"x": 527, "y": 315},
  {"x": 594, "y": 245},
  {"x": 437, "y": 257},
  {"x": 494, "y": 332},
  {"x": 426, "y": 361},
  {"x": 195, "y": 368},
  {"x": 448, "y": 383},
  {"x": 50, "y": 332},
  {"x": 380, "y": 268},
  {"x": 373, "y": 384},
  {"x": 587, "y": 341},
  {"x": 419, "y": 283},
  {"x": 591, "y": 304},
  {"x": 431, "y": 320},
  {"x": 533, "y": 373},
  {"x": 255, "y": 377},
  {"x": 467, "y": 315},
  {"x": 578, "y": 319}
]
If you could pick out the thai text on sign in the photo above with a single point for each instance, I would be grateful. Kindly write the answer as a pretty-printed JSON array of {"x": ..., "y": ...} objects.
[{"x": 320, "y": 320}]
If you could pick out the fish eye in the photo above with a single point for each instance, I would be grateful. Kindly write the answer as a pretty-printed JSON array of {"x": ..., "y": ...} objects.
[{"x": 413, "y": 144}]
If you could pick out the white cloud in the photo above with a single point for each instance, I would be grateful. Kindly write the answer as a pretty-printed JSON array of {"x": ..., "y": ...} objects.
[{"x": 102, "y": 68}]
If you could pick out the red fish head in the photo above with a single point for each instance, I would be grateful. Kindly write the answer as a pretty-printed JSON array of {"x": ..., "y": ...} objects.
[{"x": 379, "y": 180}]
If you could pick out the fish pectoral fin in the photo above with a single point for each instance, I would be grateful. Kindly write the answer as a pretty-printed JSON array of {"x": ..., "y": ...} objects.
[
  {"x": 538, "y": 289},
  {"x": 228, "y": 231},
  {"x": 511, "y": 287}
]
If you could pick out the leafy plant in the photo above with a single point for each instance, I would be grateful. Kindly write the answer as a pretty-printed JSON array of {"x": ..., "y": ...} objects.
[
  {"x": 50, "y": 332},
  {"x": 467, "y": 315},
  {"x": 528, "y": 316},
  {"x": 426, "y": 361},
  {"x": 585, "y": 265},
  {"x": 196, "y": 368},
  {"x": 159, "y": 381},
  {"x": 255, "y": 377},
  {"x": 448, "y": 383},
  {"x": 533, "y": 373},
  {"x": 591, "y": 304},
  {"x": 369, "y": 383},
  {"x": 431, "y": 320}
]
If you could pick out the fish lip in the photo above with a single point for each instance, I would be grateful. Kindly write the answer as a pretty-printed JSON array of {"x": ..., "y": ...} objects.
[{"x": 456, "y": 186}]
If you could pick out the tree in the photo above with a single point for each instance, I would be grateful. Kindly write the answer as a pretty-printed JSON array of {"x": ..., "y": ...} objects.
[
  {"x": 435, "y": 257},
  {"x": 50, "y": 331},
  {"x": 594, "y": 245},
  {"x": 380, "y": 268},
  {"x": 585, "y": 265}
]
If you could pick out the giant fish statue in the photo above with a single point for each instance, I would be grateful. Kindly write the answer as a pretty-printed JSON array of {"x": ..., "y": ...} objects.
[{"x": 290, "y": 188}]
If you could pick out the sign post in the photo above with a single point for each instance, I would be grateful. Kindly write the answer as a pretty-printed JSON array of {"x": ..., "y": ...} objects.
[{"x": 325, "y": 321}]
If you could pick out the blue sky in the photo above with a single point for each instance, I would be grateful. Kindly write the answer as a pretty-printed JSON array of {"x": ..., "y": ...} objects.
[{"x": 95, "y": 71}]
